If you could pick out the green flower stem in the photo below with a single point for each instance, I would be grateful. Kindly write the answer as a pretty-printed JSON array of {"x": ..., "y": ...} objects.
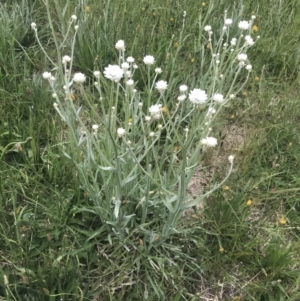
[{"x": 54, "y": 38}]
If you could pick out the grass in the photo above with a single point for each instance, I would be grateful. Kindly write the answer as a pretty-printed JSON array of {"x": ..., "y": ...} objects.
[{"x": 53, "y": 246}]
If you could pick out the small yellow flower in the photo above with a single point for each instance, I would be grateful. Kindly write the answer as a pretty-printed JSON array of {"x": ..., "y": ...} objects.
[
  {"x": 164, "y": 110},
  {"x": 255, "y": 28},
  {"x": 282, "y": 221},
  {"x": 176, "y": 44},
  {"x": 291, "y": 143},
  {"x": 232, "y": 116},
  {"x": 87, "y": 9},
  {"x": 256, "y": 78},
  {"x": 244, "y": 93},
  {"x": 249, "y": 202},
  {"x": 226, "y": 188},
  {"x": 203, "y": 4},
  {"x": 130, "y": 120},
  {"x": 72, "y": 96},
  {"x": 193, "y": 60},
  {"x": 143, "y": 8},
  {"x": 221, "y": 250},
  {"x": 171, "y": 19}
]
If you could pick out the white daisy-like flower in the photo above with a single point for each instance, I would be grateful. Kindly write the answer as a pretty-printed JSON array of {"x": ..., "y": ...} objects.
[
  {"x": 147, "y": 118},
  {"x": 33, "y": 25},
  {"x": 66, "y": 59},
  {"x": 130, "y": 60},
  {"x": 158, "y": 70},
  {"x": 149, "y": 60},
  {"x": 197, "y": 96},
  {"x": 249, "y": 40},
  {"x": 113, "y": 72},
  {"x": 151, "y": 134},
  {"x": 209, "y": 141},
  {"x": 230, "y": 159},
  {"x": 120, "y": 45},
  {"x": 79, "y": 78},
  {"x": 130, "y": 82},
  {"x": 218, "y": 97},
  {"x": 243, "y": 25},
  {"x": 242, "y": 57},
  {"x": 249, "y": 67},
  {"x": 207, "y": 28},
  {"x": 183, "y": 88},
  {"x": 161, "y": 85},
  {"x": 181, "y": 97},
  {"x": 74, "y": 17},
  {"x": 95, "y": 127},
  {"x": 155, "y": 111},
  {"x": 228, "y": 22},
  {"x": 97, "y": 74},
  {"x": 233, "y": 41},
  {"x": 76, "y": 27},
  {"x": 125, "y": 66},
  {"x": 121, "y": 132},
  {"x": 47, "y": 75}
]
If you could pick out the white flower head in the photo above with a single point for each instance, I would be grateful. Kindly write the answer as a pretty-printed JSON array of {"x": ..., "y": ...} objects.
[
  {"x": 228, "y": 22},
  {"x": 130, "y": 60},
  {"x": 161, "y": 85},
  {"x": 149, "y": 60},
  {"x": 218, "y": 97},
  {"x": 183, "y": 88},
  {"x": 130, "y": 82},
  {"x": 198, "y": 96},
  {"x": 207, "y": 28},
  {"x": 95, "y": 127},
  {"x": 151, "y": 134},
  {"x": 121, "y": 132},
  {"x": 120, "y": 45},
  {"x": 249, "y": 40},
  {"x": 79, "y": 78},
  {"x": 147, "y": 118},
  {"x": 249, "y": 67},
  {"x": 66, "y": 59},
  {"x": 33, "y": 25},
  {"x": 155, "y": 111},
  {"x": 244, "y": 25},
  {"x": 230, "y": 159},
  {"x": 47, "y": 75},
  {"x": 158, "y": 70},
  {"x": 181, "y": 97},
  {"x": 97, "y": 74},
  {"x": 209, "y": 141},
  {"x": 113, "y": 72},
  {"x": 76, "y": 27},
  {"x": 233, "y": 41},
  {"x": 242, "y": 57},
  {"x": 74, "y": 17},
  {"x": 125, "y": 66}
]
